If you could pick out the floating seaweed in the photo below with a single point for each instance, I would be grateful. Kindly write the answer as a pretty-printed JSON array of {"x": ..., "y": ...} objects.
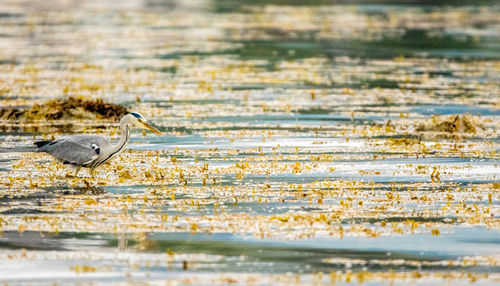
[
  {"x": 465, "y": 123},
  {"x": 69, "y": 108}
]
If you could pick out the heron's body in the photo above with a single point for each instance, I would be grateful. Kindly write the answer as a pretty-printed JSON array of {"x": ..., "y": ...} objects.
[{"x": 90, "y": 151}]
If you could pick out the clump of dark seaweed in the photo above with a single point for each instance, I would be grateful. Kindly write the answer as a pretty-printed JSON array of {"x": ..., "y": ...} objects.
[
  {"x": 465, "y": 123},
  {"x": 69, "y": 108}
]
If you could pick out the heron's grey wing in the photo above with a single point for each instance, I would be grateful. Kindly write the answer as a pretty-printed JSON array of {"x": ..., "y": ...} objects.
[
  {"x": 97, "y": 143},
  {"x": 70, "y": 152},
  {"x": 78, "y": 149}
]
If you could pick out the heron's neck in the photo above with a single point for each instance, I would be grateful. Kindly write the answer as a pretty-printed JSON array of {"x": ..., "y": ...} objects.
[
  {"x": 115, "y": 149},
  {"x": 123, "y": 140}
]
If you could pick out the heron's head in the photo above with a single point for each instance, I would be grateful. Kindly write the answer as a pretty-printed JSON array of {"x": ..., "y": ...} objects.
[{"x": 141, "y": 122}]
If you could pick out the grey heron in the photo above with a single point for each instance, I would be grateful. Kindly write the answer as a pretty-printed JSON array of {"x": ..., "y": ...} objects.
[{"x": 91, "y": 151}]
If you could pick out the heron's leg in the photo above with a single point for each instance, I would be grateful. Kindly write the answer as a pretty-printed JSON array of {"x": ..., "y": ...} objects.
[
  {"x": 77, "y": 170},
  {"x": 73, "y": 167}
]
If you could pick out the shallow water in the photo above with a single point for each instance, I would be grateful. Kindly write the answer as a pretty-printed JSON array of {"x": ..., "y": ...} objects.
[{"x": 298, "y": 143}]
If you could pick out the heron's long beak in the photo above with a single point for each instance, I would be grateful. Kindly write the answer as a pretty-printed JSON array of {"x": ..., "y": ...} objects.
[{"x": 150, "y": 127}]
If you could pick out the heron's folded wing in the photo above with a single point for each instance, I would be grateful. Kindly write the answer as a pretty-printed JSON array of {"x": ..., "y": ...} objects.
[
  {"x": 71, "y": 152},
  {"x": 87, "y": 140}
]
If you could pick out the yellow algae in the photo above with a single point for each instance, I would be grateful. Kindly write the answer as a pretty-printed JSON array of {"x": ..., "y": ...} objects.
[{"x": 83, "y": 268}]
